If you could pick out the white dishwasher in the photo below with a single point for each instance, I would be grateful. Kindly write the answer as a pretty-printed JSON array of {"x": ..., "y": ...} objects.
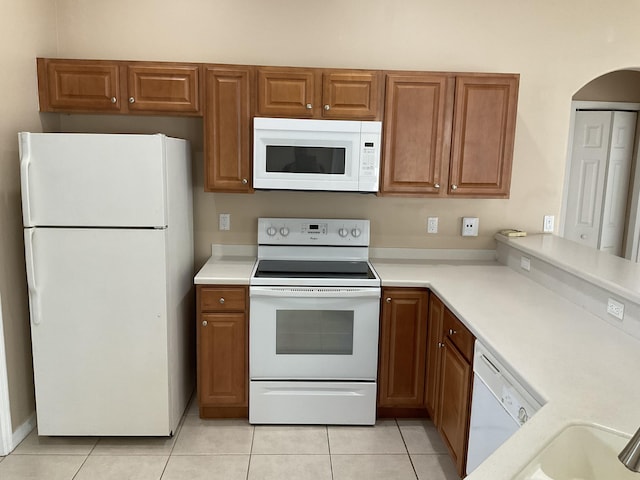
[{"x": 499, "y": 406}]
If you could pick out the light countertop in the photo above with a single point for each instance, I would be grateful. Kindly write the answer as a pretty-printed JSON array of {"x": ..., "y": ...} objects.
[
  {"x": 600, "y": 268},
  {"x": 582, "y": 367}
]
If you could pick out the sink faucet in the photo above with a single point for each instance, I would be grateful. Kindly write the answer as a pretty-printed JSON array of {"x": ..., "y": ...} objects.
[{"x": 630, "y": 455}]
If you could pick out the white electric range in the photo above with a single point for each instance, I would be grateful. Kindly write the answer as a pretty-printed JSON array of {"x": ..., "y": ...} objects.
[{"x": 313, "y": 323}]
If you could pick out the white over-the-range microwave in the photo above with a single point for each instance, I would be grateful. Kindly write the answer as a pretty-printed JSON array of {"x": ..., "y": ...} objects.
[{"x": 330, "y": 155}]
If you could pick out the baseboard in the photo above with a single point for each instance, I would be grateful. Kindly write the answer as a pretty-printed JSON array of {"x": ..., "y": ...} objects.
[{"x": 22, "y": 431}]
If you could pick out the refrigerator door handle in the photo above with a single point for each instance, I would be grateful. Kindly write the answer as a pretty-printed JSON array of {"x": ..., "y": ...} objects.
[
  {"x": 34, "y": 298},
  {"x": 25, "y": 164}
]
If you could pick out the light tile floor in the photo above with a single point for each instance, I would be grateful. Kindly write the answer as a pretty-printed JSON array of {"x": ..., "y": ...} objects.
[{"x": 233, "y": 449}]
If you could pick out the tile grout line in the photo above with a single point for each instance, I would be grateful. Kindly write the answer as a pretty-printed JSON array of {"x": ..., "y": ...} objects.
[
  {"x": 253, "y": 436},
  {"x": 329, "y": 449},
  {"x": 86, "y": 458},
  {"x": 415, "y": 473},
  {"x": 178, "y": 430}
]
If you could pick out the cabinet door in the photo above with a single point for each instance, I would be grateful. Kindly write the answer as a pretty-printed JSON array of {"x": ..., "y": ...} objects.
[
  {"x": 403, "y": 341},
  {"x": 163, "y": 88},
  {"x": 227, "y": 126},
  {"x": 483, "y": 135},
  {"x": 417, "y": 129},
  {"x": 453, "y": 417},
  {"x": 351, "y": 95},
  {"x": 222, "y": 360},
  {"x": 434, "y": 355},
  {"x": 287, "y": 92},
  {"x": 79, "y": 85}
]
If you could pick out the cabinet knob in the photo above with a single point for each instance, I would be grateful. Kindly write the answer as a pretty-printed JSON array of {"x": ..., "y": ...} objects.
[
  {"x": 451, "y": 331},
  {"x": 132, "y": 100},
  {"x": 454, "y": 187},
  {"x": 436, "y": 185},
  {"x": 221, "y": 300},
  {"x": 440, "y": 344},
  {"x": 204, "y": 323},
  {"x": 388, "y": 300},
  {"x": 583, "y": 236},
  {"x": 114, "y": 99},
  {"x": 327, "y": 107},
  {"x": 309, "y": 106},
  {"x": 244, "y": 181}
]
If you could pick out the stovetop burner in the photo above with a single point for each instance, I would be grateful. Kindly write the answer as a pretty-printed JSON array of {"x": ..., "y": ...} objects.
[
  {"x": 314, "y": 269},
  {"x": 313, "y": 252}
]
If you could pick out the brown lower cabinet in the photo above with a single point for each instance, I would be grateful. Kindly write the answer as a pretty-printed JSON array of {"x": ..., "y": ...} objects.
[
  {"x": 222, "y": 351},
  {"x": 403, "y": 345},
  {"x": 449, "y": 379}
]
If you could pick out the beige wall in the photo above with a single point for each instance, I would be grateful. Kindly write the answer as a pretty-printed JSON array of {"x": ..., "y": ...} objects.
[
  {"x": 556, "y": 47},
  {"x": 620, "y": 86},
  {"x": 27, "y": 29},
  {"x": 555, "y": 50}
]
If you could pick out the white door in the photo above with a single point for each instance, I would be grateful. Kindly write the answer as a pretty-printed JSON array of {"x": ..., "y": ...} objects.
[
  {"x": 599, "y": 179},
  {"x": 617, "y": 182},
  {"x": 99, "y": 330},
  {"x": 587, "y": 176},
  {"x": 93, "y": 180}
]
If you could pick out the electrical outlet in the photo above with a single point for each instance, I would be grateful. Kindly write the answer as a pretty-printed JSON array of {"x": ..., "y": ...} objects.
[
  {"x": 432, "y": 225},
  {"x": 615, "y": 308},
  {"x": 548, "y": 223},
  {"x": 470, "y": 226},
  {"x": 224, "y": 221},
  {"x": 525, "y": 263}
]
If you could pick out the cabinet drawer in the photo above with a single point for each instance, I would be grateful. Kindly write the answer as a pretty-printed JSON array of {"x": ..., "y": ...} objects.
[
  {"x": 222, "y": 299},
  {"x": 459, "y": 335}
]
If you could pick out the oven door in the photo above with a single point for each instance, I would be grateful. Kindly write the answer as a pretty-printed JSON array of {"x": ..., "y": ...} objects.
[{"x": 313, "y": 333}]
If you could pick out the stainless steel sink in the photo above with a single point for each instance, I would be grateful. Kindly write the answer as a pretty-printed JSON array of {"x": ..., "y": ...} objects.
[{"x": 580, "y": 452}]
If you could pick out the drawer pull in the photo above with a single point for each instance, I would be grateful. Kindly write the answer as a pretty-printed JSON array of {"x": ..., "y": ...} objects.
[
  {"x": 452, "y": 331},
  {"x": 221, "y": 300}
]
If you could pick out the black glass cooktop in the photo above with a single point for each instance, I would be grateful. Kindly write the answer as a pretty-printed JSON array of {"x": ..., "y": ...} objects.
[{"x": 313, "y": 269}]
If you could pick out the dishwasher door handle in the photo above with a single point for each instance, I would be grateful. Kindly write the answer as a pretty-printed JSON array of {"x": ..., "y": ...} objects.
[{"x": 490, "y": 364}]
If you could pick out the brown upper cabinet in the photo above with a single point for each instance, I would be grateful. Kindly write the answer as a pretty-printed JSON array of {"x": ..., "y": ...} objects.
[
  {"x": 319, "y": 93},
  {"x": 104, "y": 86},
  {"x": 484, "y": 127},
  {"x": 449, "y": 135},
  {"x": 227, "y": 129},
  {"x": 417, "y": 130}
]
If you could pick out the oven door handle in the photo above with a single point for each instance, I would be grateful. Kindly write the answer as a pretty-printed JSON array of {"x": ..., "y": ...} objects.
[{"x": 315, "y": 292}]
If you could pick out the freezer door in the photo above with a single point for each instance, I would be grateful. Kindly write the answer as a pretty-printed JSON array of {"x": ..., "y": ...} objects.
[
  {"x": 77, "y": 180},
  {"x": 99, "y": 331}
]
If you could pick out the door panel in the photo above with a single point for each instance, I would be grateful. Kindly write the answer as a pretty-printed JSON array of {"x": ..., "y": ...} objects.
[
  {"x": 614, "y": 211},
  {"x": 587, "y": 176},
  {"x": 99, "y": 330},
  {"x": 93, "y": 180}
]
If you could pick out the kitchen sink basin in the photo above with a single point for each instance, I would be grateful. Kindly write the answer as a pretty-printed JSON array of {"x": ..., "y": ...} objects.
[{"x": 580, "y": 452}]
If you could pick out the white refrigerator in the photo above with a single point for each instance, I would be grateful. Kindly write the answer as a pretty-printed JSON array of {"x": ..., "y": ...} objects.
[{"x": 109, "y": 253}]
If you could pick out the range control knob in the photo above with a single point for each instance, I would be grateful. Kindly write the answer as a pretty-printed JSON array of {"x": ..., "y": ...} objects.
[
  {"x": 523, "y": 416},
  {"x": 356, "y": 232},
  {"x": 343, "y": 232},
  {"x": 271, "y": 231},
  {"x": 284, "y": 231}
]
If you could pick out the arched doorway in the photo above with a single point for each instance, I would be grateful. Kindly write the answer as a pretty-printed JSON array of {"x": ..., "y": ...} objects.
[{"x": 601, "y": 207}]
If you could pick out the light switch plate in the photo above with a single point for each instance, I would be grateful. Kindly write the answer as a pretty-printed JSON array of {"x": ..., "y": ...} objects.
[
  {"x": 548, "y": 224},
  {"x": 224, "y": 221},
  {"x": 432, "y": 225}
]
